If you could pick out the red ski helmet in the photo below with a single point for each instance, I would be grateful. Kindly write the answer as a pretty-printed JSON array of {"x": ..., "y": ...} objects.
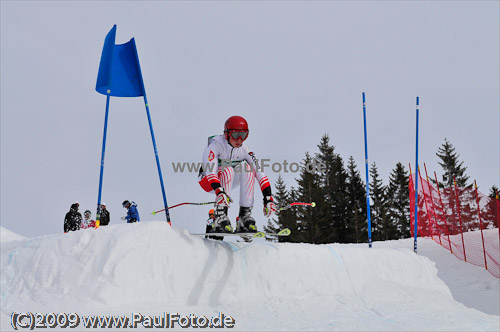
[{"x": 236, "y": 124}]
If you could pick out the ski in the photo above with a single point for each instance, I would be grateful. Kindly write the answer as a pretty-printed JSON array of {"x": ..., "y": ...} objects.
[
  {"x": 242, "y": 234},
  {"x": 283, "y": 232},
  {"x": 255, "y": 235}
]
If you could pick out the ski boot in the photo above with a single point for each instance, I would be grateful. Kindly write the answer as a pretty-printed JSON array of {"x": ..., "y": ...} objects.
[
  {"x": 245, "y": 221},
  {"x": 222, "y": 223}
]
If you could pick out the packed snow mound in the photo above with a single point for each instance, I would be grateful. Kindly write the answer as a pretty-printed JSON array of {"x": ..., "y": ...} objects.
[
  {"x": 150, "y": 267},
  {"x": 7, "y": 235}
]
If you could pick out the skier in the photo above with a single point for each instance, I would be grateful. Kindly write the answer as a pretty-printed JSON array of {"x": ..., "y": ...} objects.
[
  {"x": 210, "y": 227},
  {"x": 228, "y": 163},
  {"x": 87, "y": 222},
  {"x": 104, "y": 215},
  {"x": 132, "y": 213},
  {"x": 73, "y": 218}
]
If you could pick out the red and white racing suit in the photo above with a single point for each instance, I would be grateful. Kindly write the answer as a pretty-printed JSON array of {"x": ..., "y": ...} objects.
[{"x": 231, "y": 167}]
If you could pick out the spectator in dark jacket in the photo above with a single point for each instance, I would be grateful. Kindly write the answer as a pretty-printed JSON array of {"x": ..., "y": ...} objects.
[
  {"x": 132, "y": 213},
  {"x": 104, "y": 215},
  {"x": 73, "y": 219}
]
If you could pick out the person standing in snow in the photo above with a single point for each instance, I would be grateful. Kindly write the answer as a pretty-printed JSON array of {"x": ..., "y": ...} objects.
[
  {"x": 73, "y": 218},
  {"x": 87, "y": 222},
  {"x": 132, "y": 213},
  {"x": 228, "y": 163},
  {"x": 104, "y": 215}
]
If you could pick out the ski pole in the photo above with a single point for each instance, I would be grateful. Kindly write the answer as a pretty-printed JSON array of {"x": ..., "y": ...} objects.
[
  {"x": 171, "y": 207},
  {"x": 286, "y": 207}
]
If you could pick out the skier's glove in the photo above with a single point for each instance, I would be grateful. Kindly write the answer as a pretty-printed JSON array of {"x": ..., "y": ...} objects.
[
  {"x": 269, "y": 206},
  {"x": 222, "y": 198},
  {"x": 123, "y": 218}
]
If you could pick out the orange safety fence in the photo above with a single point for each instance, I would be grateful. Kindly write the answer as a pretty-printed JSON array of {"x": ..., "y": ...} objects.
[{"x": 462, "y": 220}]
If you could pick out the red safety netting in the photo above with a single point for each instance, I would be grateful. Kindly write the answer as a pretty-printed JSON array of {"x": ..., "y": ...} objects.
[{"x": 463, "y": 220}]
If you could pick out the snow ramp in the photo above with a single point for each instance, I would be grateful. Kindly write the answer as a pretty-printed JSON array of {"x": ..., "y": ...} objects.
[{"x": 152, "y": 268}]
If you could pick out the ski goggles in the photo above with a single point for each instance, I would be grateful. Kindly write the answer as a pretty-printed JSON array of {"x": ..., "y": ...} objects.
[{"x": 237, "y": 134}]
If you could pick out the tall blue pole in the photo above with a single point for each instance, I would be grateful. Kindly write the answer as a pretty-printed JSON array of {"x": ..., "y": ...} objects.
[
  {"x": 368, "y": 213},
  {"x": 167, "y": 213},
  {"x": 416, "y": 187},
  {"x": 98, "y": 214}
]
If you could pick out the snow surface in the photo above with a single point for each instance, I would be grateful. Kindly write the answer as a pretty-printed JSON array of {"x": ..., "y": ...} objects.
[
  {"x": 151, "y": 268},
  {"x": 469, "y": 284},
  {"x": 6, "y": 235}
]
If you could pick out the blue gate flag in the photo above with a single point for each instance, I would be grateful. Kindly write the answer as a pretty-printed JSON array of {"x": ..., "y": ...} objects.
[
  {"x": 120, "y": 76},
  {"x": 119, "y": 71}
]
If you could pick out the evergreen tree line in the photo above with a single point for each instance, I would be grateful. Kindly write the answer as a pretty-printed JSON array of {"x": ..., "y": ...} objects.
[{"x": 340, "y": 196}]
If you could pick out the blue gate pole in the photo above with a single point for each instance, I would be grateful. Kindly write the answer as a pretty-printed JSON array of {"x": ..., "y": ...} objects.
[
  {"x": 98, "y": 214},
  {"x": 367, "y": 180},
  {"x": 416, "y": 187},
  {"x": 167, "y": 213}
]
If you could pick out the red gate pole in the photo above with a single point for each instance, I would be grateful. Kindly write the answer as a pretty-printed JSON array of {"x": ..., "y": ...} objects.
[
  {"x": 481, "y": 226},
  {"x": 459, "y": 217},
  {"x": 442, "y": 209}
]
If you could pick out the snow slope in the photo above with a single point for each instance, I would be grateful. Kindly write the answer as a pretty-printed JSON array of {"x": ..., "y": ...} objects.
[
  {"x": 469, "y": 284},
  {"x": 7, "y": 235},
  {"x": 151, "y": 268}
]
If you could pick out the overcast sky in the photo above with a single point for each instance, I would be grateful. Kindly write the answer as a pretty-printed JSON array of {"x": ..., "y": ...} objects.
[{"x": 296, "y": 70}]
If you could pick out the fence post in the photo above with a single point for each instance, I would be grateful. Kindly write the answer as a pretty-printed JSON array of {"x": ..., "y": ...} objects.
[
  {"x": 459, "y": 217},
  {"x": 442, "y": 209},
  {"x": 481, "y": 225},
  {"x": 425, "y": 202},
  {"x": 433, "y": 206}
]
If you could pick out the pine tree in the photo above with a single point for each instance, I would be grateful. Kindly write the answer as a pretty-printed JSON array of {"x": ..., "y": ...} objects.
[
  {"x": 493, "y": 191},
  {"x": 285, "y": 218},
  {"x": 280, "y": 198},
  {"x": 399, "y": 202},
  {"x": 326, "y": 159},
  {"x": 333, "y": 183},
  {"x": 340, "y": 207},
  {"x": 452, "y": 166},
  {"x": 313, "y": 223},
  {"x": 358, "y": 230},
  {"x": 295, "y": 224},
  {"x": 380, "y": 218},
  {"x": 490, "y": 211}
]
